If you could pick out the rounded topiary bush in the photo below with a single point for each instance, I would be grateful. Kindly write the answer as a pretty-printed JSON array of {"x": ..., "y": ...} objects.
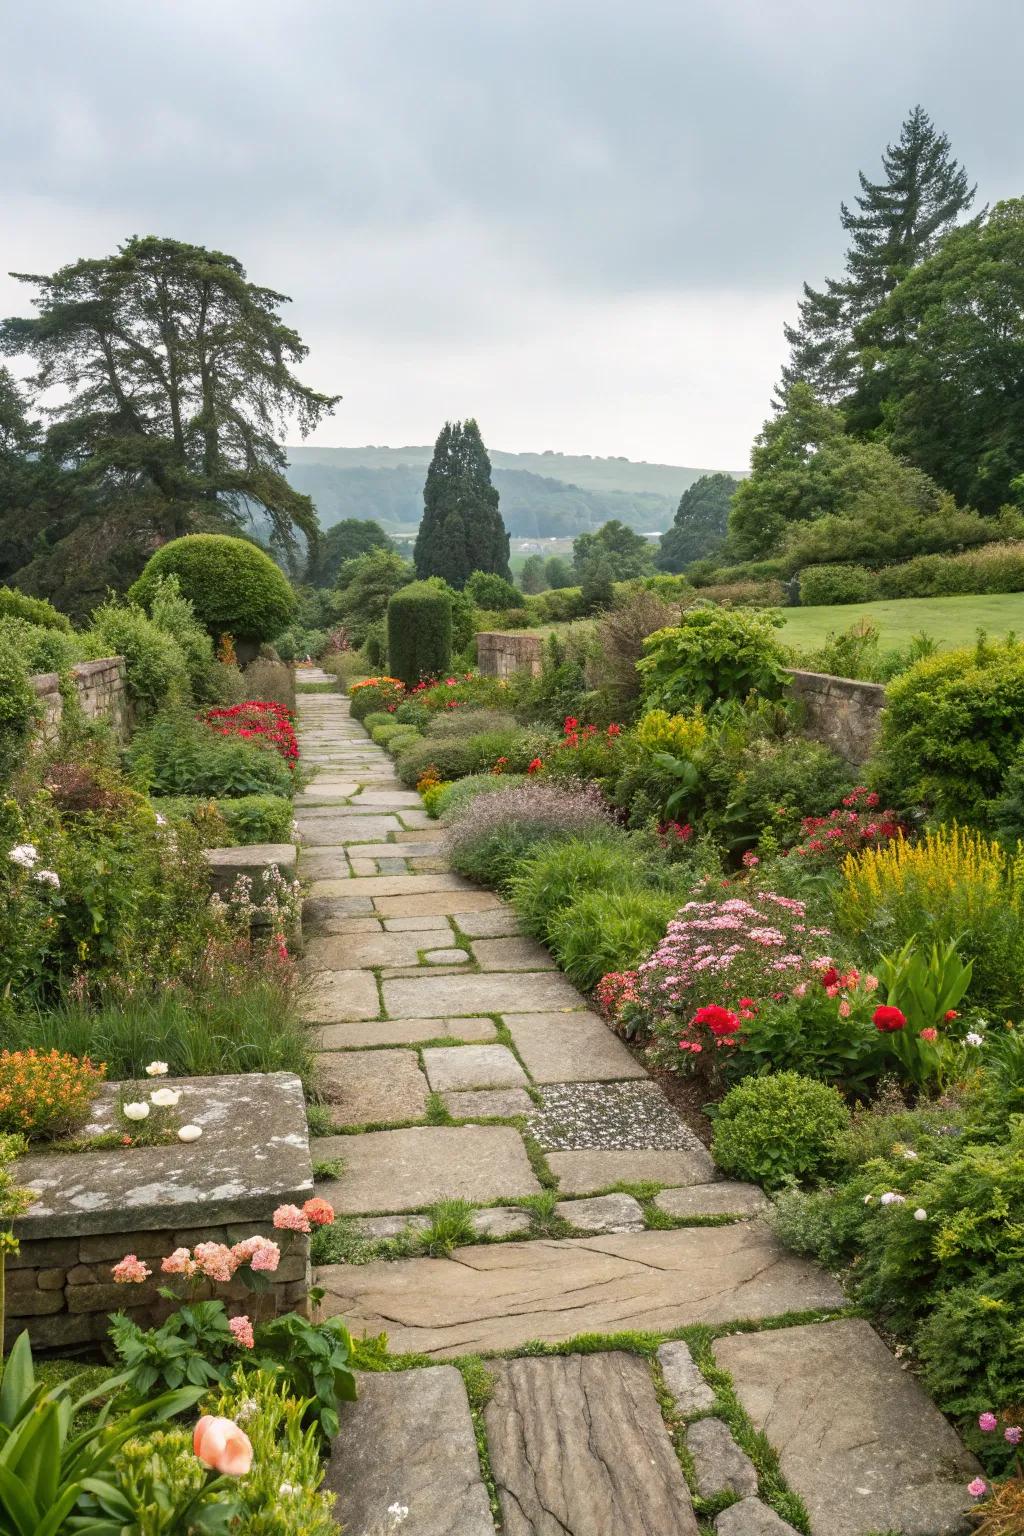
[
  {"x": 234, "y": 587},
  {"x": 419, "y": 632},
  {"x": 781, "y": 1127}
]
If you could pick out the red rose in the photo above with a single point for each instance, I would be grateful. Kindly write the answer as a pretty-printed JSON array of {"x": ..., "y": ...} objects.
[
  {"x": 888, "y": 1020},
  {"x": 720, "y": 1021}
]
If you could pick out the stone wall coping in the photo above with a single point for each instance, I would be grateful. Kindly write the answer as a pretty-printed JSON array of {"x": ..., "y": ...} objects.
[
  {"x": 851, "y": 685},
  {"x": 253, "y": 856},
  {"x": 253, "y": 1156},
  {"x": 44, "y": 682}
]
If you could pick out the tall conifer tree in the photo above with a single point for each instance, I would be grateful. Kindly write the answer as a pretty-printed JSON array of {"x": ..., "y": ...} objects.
[
  {"x": 897, "y": 222},
  {"x": 462, "y": 530}
]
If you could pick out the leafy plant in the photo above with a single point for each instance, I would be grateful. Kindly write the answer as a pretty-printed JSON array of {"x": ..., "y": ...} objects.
[
  {"x": 714, "y": 657},
  {"x": 233, "y": 585},
  {"x": 46, "y": 1094},
  {"x": 771, "y": 1129}
]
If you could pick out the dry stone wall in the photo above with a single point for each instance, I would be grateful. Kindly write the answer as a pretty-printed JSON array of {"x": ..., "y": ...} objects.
[
  {"x": 499, "y": 654},
  {"x": 841, "y": 712},
  {"x": 100, "y": 688}
]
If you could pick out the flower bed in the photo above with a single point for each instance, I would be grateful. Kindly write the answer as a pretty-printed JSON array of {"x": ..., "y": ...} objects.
[{"x": 258, "y": 720}]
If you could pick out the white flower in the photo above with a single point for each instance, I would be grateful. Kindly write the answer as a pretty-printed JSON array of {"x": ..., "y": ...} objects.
[
  {"x": 190, "y": 1133},
  {"x": 48, "y": 877},
  {"x": 892, "y": 1198},
  {"x": 165, "y": 1098},
  {"x": 137, "y": 1111},
  {"x": 287, "y": 1488},
  {"x": 974, "y": 1038},
  {"x": 868, "y": 1199},
  {"x": 398, "y": 1513},
  {"x": 910, "y": 1155},
  {"x": 246, "y": 1410},
  {"x": 25, "y": 854},
  {"x": 157, "y": 1069},
  {"x": 920, "y": 1214},
  {"x": 161, "y": 821}
]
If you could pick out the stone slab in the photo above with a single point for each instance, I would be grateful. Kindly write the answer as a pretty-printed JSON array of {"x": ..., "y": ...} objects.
[
  {"x": 690, "y": 1392},
  {"x": 719, "y": 1465},
  {"x": 370, "y": 1032},
  {"x": 856, "y": 1436},
  {"x": 253, "y": 861},
  {"x": 407, "y": 885},
  {"x": 578, "y": 1445},
  {"x": 501, "y": 923},
  {"x": 323, "y": 864},
  {"x": 435, "y": 924},
  {"x": 749, "y": 1517},
  {"x": 329, "y": 997},
  {"x": 347, "y": 951},
  {"x": 626, "y": 1115},
  {"x": 603, "y": 1213},
  {"x": 472, "y": 1066},
  {"x": 563, "y": 1047},
  {"x": 497, "y": 1297},
  {"x": 389, "y": 799},
  {"x": 501, "y": 1221},
  {"x": 586, "y": 1173},
  {"x": 253, "y": 1155},
  {"x": 726, "y": 1198},
  {"x": 387, "y": 1171},
  {"x": 372, "y": 1087},
  {"x": 338, "y": 831},
  {"x": 407, "y": 1443},
  {"x": 493, "y": 993},
  {"x": 445, "y": 957},
  {"x": 377, "y": 1227},
  {"x": 512, "y": 954},
  {"x": 437, "y": 904},
  {"x": 488, "y": 1103}
]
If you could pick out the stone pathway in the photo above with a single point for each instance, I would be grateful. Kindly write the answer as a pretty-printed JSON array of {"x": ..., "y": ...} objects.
[{"x": 458, "y": 1064}]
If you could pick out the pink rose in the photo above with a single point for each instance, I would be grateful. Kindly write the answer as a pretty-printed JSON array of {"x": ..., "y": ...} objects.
[{"x": 220, "y": 1444}]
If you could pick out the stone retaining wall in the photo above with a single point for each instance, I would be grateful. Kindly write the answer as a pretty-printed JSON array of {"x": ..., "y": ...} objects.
[
  {"x": 499, "y": 654},
  {"x": 840, "y": 711},
  {"x": 93, "y": 1207},
  {"x": 100, "y": 687}
]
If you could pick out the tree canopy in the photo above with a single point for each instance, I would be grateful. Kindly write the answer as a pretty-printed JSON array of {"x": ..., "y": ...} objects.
[
  {"x": 347, "y": 539},
  {"x": 700, "y": 522},
  {"x": 628, "y": 553},
  {"x": 462, "y": 529}
]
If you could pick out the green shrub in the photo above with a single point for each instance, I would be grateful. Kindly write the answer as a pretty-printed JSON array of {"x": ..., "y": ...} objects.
[
  {"x": 994, "y": 568},
  {"x": 559, "y": 872},
  {"x": 827, "y": 584},
  {"x": 800, "y": 777},
  {"x": 248, "y": 818},
  {"x": 234, "y": 586},
  {"x": 419, "y": 632},
  {"x": 556, "y": 606},
  {"x": 41, "y": 649},
  {"x": 486, "y": 589},
  {"x": 456, "y": 757},
  {"x": 270, "y": 681},
  {"x": 178, "y": 755},
  {"x": 375, "y": 695},
  {"x": 347, "y": 666},
  {"x": 156, "y": 666},
  {"x": 411, "y": 712},
  {"x": 602, "y": 931},
  {"x": 468, "y": 721},
  {"x": 951, "y": 728},
  {"x": 489, "y": 839},
  {"x": 715, "y": 656},
  {"x": 393, "y": 733},
  {"x": 34, "y": 610},
  {"x": 18, "y": 709},
  {"x": 770, "y": 1129}
]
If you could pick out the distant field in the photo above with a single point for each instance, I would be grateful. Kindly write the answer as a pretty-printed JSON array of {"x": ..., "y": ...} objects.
[{"x": 951, "y": 621}]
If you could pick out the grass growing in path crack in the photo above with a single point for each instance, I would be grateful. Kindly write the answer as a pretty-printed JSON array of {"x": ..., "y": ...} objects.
[
  {"x": 451, "y": 1227},
  {"x": 543, "y": 1220},
  {"x": 328, "y": 1168},
  {"x": 538, "y": 1162},
  {"x": 479, "y": 1386},
  {"x": 437, "y": 1111}
]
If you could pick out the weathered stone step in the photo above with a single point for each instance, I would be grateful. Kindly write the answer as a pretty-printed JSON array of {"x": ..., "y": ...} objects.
[
  {"x": 857, "y": 1438},
  {"x": 578, "y": 1447},
  {"x": 406, "y": 1170},
  {"x": 496, "y": 1298},
  {"x": 406, "y": 1458}
]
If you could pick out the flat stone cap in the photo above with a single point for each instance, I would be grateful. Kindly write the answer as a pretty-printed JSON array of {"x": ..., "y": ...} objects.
[
  {"x": 253, "y": 1155},
  {"x": 252, "y": 859}
]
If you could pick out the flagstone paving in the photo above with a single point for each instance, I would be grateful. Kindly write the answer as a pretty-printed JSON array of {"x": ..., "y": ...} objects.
[{"x": 488, "y": 1079}]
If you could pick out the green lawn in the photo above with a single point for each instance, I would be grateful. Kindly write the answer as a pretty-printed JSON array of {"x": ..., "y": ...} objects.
[{"x": 951, "y": 621}]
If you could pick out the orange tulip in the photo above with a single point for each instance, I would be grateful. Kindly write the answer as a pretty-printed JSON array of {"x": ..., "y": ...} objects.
[{"x": 220, "y": 1444}]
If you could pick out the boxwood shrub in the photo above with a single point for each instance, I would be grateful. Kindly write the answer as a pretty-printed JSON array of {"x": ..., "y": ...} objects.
[
  {"x": 18, "y": 709},
  {"x": 771, "y": 1129},
  {"x": 233, "y": 585},
  {"x": 419, "y": 632}
]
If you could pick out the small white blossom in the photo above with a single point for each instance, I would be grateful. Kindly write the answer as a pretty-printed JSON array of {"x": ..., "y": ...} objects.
[
  {"x": 165, "y": 1098},
  {"x": 247, "y": 1410},
  {"x": 869, "y": 1199},
  {"x": 973, "y": 1038},
  {"x": 137, "y": 1111},
  {"x": 25, "y": 854},
  {"x": 157, "y": 1069},
  {"x": 398, "y": 1513},
  {"x": 287, "y": 1488},
  {"x": 892, "y": 1198},
  {"x": 190, "y": 1133},
  {"x": 161, "y": 821},
  {"x": 48, "y": 877},
  {"x": 920, "y": 1214},
  {"x": 910, "y": 1155}
]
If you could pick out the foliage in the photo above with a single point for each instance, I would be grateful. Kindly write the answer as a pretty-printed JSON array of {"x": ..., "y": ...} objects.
[
  {"x": 199, "y": 442},
  {"x": 714, "y": 657},
  {"x": 558, "y": 574},
  {"x": 47, "y": 1468},
  {"x": 771, "y": 1129},
  {"x": 270, "y": 680},
  {"x": 345, "y": 540},
  {"x": 18, "y": 709},
  {"x": 461, "y": 530},
  {"x": 619, "y": 643},
  {"x": 456, "y": 756},
  {"x": 951, "y": 727},
  {"x": 365, "y": 586},
  {"x": 487, "y": 839},
  {"x": 837, "y": 584},
  {"x": 156, "y": 666},
  {"x": 46, "y": 1094},
  {"x": 532, "y": 577},
  {"x": 995, "y": 567},
  {"x": 774, "y": 781},
  {"x": 420, "y": 632},
  {"x": 681, "y": 735},
  {"x": 233, "y": 585},
  {"x": 552, "y": 876},
  {"x": 210, "y": 681},
  {"x": 603, "y": 931},
  {"x": 242, "y": 819},
  {"x": 258, "y": 720},
  {"x": 819, "y": 1031},
  {"x": 700, "y": 523},
  {"x": 33, "y": 610},
  {"x": 175, "y": 754},
  {"x": 40, "y": 649},
  {"x": 371, "y": 694},
  {"x": 486, "y": 589},
  {"x": 450, "y": 800},
  {"x": 625, "y": 553},
  {"x": 597, "y": 583}
]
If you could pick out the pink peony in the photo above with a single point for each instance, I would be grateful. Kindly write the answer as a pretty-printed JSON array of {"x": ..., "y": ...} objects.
[
  {"x": 291, "y": 1219},
  {"x": 977, "y": 1488},
  {"x": 131, "y": 1271},
  {"x": 241, "y": 1328}
]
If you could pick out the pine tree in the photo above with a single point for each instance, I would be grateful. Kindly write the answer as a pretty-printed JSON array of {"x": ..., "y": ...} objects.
[
  {"x": 462, "y": 529},
  {"x": 896, "y": 224}
]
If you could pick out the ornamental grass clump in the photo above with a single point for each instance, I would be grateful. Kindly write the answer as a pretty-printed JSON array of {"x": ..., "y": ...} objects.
[{"x": 45, "y": 1094}]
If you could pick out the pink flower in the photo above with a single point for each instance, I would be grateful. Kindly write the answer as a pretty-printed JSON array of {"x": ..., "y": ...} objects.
[
  {"x": 180, "y": 1262},
  {"x": 320, "y": 1212},
  {"x": 241, "y": 1328},
  {"x": 220, "y": 1444},
  {"x": 215, "y": 1261},
  {"x": 988, "y": 1422},
  {"x": 131, "y": 1271},
  {"x": 1013, "y": 1435},
  {"x": 870, "y": 983},
  {"x": 977, "y": 1488},
  {"x": 844, "y": 1009},
  {"x": 266, "y": 1257},
  {"x": 930, "y": 1035},
  {"x": 291, "y": 1219}
]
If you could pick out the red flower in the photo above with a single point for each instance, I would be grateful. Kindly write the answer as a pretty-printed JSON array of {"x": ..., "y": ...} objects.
[
  {"x": 888, "y": 1020},
  {"x": 535, "y": 766},
  {"x": 830, "y": 978},
  {"x": 950, "y": 1016},
  {"x": 749, "y": 1003},
  {"x": 931, "y": 1035},
  {"x": 615, "y": 730},
  {"x": 720, "y": 1021}
]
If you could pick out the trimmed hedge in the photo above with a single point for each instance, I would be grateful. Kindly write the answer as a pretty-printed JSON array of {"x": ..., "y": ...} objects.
[
  {"x": 419, "y": 632},
  {"x": 822, "y": 585},
  {"x": 994, "y": 568},
  {"x": 234, "y": 587}
]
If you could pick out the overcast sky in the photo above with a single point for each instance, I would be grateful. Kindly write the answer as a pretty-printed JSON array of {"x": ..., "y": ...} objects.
[{"x": 583, "y": 221}]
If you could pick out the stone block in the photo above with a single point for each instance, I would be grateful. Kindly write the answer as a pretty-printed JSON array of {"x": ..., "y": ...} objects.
[
  {"x": 690, "y": 1392},
  {"x": 719, "y": 1465},
  {"x": 254, "y": 861},
  {"x": 587, "y": 1173},
  {"x": 604, "y": 1213},
  {"x": 562, "y": 1046},
  {"x": 472, "y": 1066},
  {"x": 372, "y": 1087}
]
